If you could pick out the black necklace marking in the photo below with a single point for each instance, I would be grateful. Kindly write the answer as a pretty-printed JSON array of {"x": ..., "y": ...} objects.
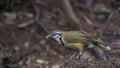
[{"x": 61, "y": 41}]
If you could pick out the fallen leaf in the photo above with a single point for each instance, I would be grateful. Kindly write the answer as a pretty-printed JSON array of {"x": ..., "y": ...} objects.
[
  {"x": 10, "y": 16},
  {"x": 7, "y": 14},
  {"x": 42, "y": 42},
  {"x": 9, "y": 22},
  {"x": 16, "y": 48},
  {"x": 30, "y": 15},
  {"x": 29, "y": 59},
  {"x": 41, "y": 61},
  {"x": 56, "y": 66},
  {"x": 27, "y": 44},
  {"x": 25, "y": 24}
]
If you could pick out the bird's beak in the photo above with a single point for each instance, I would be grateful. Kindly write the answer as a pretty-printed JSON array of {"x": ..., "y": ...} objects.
[{"x": 48, "y": 36}]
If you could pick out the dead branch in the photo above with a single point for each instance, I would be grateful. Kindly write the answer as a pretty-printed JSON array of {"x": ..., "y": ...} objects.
[
  {"x": 107, "y": 23},
  {"x": 87, "y": 20},
  {"x": 69, "y": 13},
  {"x": 37, "y": 17}
]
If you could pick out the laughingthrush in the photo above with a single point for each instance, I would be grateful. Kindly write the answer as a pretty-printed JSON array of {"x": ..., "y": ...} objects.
[{"x": 77, "y": 40}]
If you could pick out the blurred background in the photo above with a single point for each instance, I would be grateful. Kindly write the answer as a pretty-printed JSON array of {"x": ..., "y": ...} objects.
[{"x": 25, "y": 23}]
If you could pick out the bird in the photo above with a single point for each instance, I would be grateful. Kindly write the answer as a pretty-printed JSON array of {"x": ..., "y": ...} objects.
[{"x": 77, "y": 40}]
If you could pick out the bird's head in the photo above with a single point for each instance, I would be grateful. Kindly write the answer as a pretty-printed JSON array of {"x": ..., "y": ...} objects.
[
  {"x": 101, "y": 44},
  {"x": 55, "y": 35}
]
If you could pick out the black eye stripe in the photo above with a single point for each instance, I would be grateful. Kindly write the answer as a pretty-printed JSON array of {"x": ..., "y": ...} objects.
[{"x": 56, "y": 34}]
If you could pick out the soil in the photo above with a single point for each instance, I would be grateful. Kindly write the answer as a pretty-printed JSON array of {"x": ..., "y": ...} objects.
[{"x": 22, "y": 46}]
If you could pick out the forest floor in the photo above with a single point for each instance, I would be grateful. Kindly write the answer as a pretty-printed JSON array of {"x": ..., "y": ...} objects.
[{"x": 23, "y": 43}]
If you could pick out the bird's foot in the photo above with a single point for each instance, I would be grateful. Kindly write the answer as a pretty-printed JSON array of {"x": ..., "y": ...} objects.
[
  {"x": 72, "y": 56},
  {"x": 79, "y": 56},
  {"x": 76, "y": 56}
]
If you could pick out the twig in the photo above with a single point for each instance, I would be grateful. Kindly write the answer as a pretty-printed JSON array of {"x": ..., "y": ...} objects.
[
  {"x": 107, "y": 23},
  {"x": 87, "y": 20},
  {"x": 37, "y": 16},
  {"x": 7, "y": 6},
  {"x": 70, "y": 15},
  {"x": 115, "y": 51}
]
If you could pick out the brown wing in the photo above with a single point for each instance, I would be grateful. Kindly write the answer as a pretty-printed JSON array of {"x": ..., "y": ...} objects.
[{"x": 75, "y": 37}]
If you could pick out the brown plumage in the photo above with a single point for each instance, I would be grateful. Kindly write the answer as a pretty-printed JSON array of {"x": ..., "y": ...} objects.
[{"x": 77, "y": 40}]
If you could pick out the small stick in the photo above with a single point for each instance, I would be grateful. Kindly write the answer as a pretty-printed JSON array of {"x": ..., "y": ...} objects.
[
  {"x": 107, "y": 23},
  {"x": 70, "y": 15},
  {"x": 87, "y": 20},
  {"x": 37, "y": 17}
]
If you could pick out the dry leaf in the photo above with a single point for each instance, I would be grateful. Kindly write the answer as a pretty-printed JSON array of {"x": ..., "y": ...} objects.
[
  {"x": 56, "y": 66},
  {"x": 41, "y": 61},
  {"x": 25, "y": 24}
]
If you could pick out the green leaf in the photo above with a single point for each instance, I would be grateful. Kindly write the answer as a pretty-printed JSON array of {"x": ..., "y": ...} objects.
[
  {"x": 7, "y": 14},
  {"x": 105, "y": 9}
]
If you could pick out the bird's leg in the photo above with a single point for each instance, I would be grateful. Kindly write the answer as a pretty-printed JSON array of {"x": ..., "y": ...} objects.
[
  {"x": 80, "y": 54},
  {"x": 72, "y": 56}
]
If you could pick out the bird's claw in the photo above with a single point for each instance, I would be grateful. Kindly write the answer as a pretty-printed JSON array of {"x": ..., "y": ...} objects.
[{"x": 79, "y": 56}]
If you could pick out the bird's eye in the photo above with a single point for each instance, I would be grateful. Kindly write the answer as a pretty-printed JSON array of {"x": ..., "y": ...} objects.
[{"x": 57, "y": 36}]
